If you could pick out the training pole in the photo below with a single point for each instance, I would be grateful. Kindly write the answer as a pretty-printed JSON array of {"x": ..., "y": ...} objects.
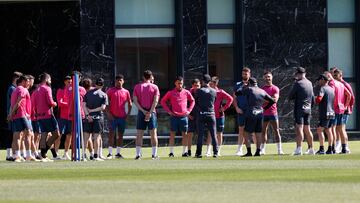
[{"x": 76, "y": 120}]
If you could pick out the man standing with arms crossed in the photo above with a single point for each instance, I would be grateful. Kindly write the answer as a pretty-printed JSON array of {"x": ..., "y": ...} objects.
[
  {"x": 43, "y": 108},
  {"x": 271, "y": 115},
  {"x": 118, "y": 97},
  {"x": 205, "y": 99},
  {"x": 303, "y": 96},
  {"x": 240, "y": 104},
  {"x": 146, "y": 97},
  {"x": 338, "y": 75},
  {"x": 181, "y": 104},
  {"x": 220, "y": 109},
  {"x": 95, "y": 102},
  {"x": 325, "y": 100}
]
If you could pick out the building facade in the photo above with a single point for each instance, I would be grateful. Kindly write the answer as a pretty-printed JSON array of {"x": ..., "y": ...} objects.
[{"x": 183, "y": 37}]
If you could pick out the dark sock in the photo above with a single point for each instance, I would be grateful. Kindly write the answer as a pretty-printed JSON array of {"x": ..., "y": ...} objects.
[
  {"x": 343, "y": 146},
  {"x": 333, "y": 148},
  {"x": 53, "y": 152},
  {"x": 329, "y": 148},
  {"x": 95, "y": 156},
  {"x": 248, "y": 150},
  {"x": 43, "y": 153},
  {"x": 258, "y": 150},
  {"x": 321, "y": 148}
]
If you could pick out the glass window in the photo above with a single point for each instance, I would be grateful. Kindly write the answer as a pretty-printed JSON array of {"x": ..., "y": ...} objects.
[
  {"x": 221, "y": 11},
  {"x": 341, "y": 11},
  {"x": 141, "y": 12},
  {"x": 341, "y": 51}
]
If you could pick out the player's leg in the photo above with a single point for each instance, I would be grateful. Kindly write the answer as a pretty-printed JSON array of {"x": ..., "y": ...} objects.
[
  {"x": 152, "y": 126},
  {"x": 120, "y": 138},
  {"x": 264, "y": 135},
  {"x": 211, "y": 123},
  {"x": 320, "y": 133},
  {"x": 241, "y": 135},
  {"x": 276, "y": 129}
]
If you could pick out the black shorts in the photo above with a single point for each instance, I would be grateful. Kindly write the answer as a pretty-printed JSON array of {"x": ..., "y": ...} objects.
[
  {"x": 253, "y": 124},
  {"x": 302, "y": 118},
  {"x": 95, "y": 127},
  {"x": 325, "y": 123}
]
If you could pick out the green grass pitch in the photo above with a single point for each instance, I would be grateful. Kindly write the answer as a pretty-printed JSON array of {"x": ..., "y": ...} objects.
[{"x": 270, "y": 178}]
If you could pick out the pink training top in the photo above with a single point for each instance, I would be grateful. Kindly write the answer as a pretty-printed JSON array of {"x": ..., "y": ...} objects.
[
  {"x": 352, "y": 100},
  {"x": 24, "y": 110},
  {"x": 118, "y": 98},
  {"x": 63, "y": 96},
  {"x": 340, "y": 98},
  {"x": 271, "y": 90},
  {"x": 178, "y": 102},
  {"x": 33, "y": 113},
  {"x": 43, "y": 102},
  {"x": 145, "y": 93},
  {"x": 82, "y": 93},
  {"x": 221, "y": 95}
]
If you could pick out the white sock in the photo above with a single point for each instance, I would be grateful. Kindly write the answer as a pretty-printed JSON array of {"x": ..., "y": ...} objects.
[
  {"x": 110, "y": 150},
  {"x": 28, "y": 153},
  {"x": 92, "y": 153},
  {"x": 171, "y": 149},
  {"x": 101, "y": 152},
  {"x": 219, "y": 149},
  {"x": 279, "y": 146},
  {"x": 118, "y": 150},
  {"x": 8, "y": 152},
  {"x": 18, "y": 153},
  {"x": 208, "y": 149},
  {"x": 185, "y": 149},
  {"x": 298, "y": 149},
  {"x": 154, "y": 151},
  {"x": 263, "y": 147},
  {"x": 138, "y": 151},
  {"x": 240, "y": 147},
  {"x": 35, "y": 153}
]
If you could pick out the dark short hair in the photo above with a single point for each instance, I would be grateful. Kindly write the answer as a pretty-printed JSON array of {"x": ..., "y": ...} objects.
[
  {"x": 206, "y": 78},
  {"x": 267, "y": 72},
  {"x": 30, "y": 77},
  {"x": 334, "y": 68},
  {"x": 86, "y": 83},
  {"x": 300, "y": 70},
  {"x": 100, "y": 82},
  {"x": 147, "y": 74},
  {"x": 338, "y": 71},
  {"x": 215, "y": 79},
  {"x": 16, "y": 75},
  {"x": 119, "y": 77},
  {"x": 21, "y": 79},
  {"x": 43, "y": 77},
  {"x": 179, "y": 78},
  {"x": 246, "y": 69},
  {"x": 68, "y": 77},
  {"x": 195, "y": 81}
]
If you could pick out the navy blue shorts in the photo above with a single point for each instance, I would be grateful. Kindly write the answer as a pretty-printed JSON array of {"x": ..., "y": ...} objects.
[
  {"x": 241, "y": 120},
  {"x": 36, "y": 126},
  {"x": 220, "y": 124},
  {"x": 346, "y": 118},
  {"x": 253, "y": 124},
  {"x": 118, "y": 124},
  {"x": 192, "y": 126},
  {"x": 64, "y": 126},
  {"x": 48, "y": 125},
  {"x": 340, "y": 119},
  {"x": 179, "y": 124},
  {"x": 141, "y": 124},
  {"x": 21, "y": 124},
  {"x": 271, "y": 118},
  {"x": 10, "y": 126},
  {"x": 326, "y": 123},
  {"x": 95, "y": 127}
]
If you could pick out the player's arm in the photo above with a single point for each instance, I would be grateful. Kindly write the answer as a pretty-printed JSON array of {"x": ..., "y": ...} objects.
[
  {"x": 229, "y": 100},
  {"x": 347, "y": 96},
  {"x": 164, "y": 103},
  {"x": 191, "y": 101},
  {"x": 138, "y": 105},
  {"x": 129, "y": 103},
  {"x": 270, "y": 101},
  {"x": 16, "y": 106},
  {"x": 60, "y": 98}
]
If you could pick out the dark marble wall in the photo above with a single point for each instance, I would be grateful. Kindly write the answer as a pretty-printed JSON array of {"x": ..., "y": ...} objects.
[
  {"x": 281, "y": 35},
  {"x": 38, "y": 37},
  {"x": 195, "y": 38},
  {"x": 97, "y": 39}
]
